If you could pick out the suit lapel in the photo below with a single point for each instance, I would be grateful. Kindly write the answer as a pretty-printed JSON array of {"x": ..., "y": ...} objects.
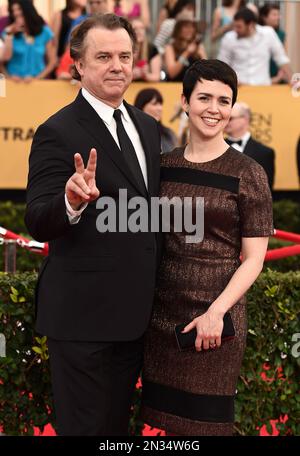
[{"x": 95, "y": 126}]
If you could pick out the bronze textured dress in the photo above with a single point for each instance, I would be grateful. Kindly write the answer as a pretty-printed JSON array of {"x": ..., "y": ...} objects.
[{"x": 189, "y": 392}]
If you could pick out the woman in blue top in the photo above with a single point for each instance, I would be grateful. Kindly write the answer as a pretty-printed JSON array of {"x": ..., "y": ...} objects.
[{"x": 29, "y": 51}]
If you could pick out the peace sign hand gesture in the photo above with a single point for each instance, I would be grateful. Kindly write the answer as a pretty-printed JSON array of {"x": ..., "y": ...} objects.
[{"x": 81, "y": 187}]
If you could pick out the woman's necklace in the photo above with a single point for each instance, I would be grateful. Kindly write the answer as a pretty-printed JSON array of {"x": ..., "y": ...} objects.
[{"x": 28, "y": 38}]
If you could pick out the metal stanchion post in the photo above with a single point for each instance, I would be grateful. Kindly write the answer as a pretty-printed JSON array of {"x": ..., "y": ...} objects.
[
  {"x": 2, "y": 346},
  {"x": 10, "y": 254}
]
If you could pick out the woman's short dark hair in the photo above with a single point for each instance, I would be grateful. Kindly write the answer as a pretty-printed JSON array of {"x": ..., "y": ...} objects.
[
  {"x": 107, "y": 21},
  {"x": 145, "y": 96},
  {"x": 211, "y": 70}
]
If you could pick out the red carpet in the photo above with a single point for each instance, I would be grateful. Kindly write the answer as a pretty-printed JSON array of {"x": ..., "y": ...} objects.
[{"x": 49, "y": 431}]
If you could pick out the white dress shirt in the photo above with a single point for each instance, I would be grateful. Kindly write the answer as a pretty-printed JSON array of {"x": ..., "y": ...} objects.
[
  {"x": 106, "y": 113},
  {"x": 250, "y": 56},
  {"x": 244, "y": 139}
]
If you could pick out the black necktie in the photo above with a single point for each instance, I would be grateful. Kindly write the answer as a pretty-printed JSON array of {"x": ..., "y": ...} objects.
[
  {"x": 128, "y": 151},
  {"x": 230, "y": 142}
]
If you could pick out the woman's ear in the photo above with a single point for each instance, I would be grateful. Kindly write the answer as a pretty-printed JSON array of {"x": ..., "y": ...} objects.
[{"x": 185, "y": 105}]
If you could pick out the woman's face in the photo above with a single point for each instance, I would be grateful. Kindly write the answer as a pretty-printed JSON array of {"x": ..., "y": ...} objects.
[
  {"x": 18, "y": 15},
  {"x": 273, "y": 18},
  {"x": 139, "y": 29},
  {"x": 154, "y": 109},
  {"x": 79, "y": 3},
  {"x": 209, "y": 108},
  {"x": 186, "y": 36},
  {"x": 187, "y": 13}
]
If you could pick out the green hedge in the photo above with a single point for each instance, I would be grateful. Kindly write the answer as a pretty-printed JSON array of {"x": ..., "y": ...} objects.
[
  {"x": 273, "y": 309},
  {"x": 286, "y": 217},
  {"x": 291, "y": 263},
  {"x": 25, "y": 394},
  {"x": 12, "y": 218}
]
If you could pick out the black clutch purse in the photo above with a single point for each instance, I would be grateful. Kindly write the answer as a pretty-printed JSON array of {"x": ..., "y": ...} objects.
[{"x": 187, "y": 340}]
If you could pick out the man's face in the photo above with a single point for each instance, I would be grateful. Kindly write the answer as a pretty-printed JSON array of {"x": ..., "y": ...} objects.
[
  {"x": 98, "y": 6},
  {"x": 238, "y": 123},
  {"x": 242, "y": 29},
  {"x": 106, "y": 66}
]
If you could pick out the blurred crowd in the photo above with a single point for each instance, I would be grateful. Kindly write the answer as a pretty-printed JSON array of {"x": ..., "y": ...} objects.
[{"x": 247, "y": 38}]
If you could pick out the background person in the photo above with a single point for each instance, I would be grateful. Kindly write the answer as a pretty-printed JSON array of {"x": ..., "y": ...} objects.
[
  {"x": 64, "y": 68},
  {"x": 269, "y": 15},
  {"x": 182, "y": 10},
  {"x": 164, "y": 12},
  {"x": 62, "y": 23},
  {"x": 239, "y": 136},
  {"x": 184, "y": 50},
  {"x": 249, "y": 47},
  {"x": 29, "y": 51},
  {"x": 147, "y": 60},
  {"x": 222, "y": 21},
  {"x": 132, "y": 9},
  {"x": 151, "y": 102}
]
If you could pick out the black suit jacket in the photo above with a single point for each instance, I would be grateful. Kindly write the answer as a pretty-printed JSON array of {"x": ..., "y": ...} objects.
[
  {"x": 264, "y": 155},
  {"x": 92, "y": 286}
]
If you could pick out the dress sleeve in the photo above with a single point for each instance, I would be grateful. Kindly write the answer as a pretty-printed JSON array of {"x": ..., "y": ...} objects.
[
  {"x": 48, "y": 34},
  {"x": 255, "y": 203}
]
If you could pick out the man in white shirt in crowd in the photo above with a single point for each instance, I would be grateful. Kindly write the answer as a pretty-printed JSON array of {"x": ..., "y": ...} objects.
[{"x": 249, "y": 47}]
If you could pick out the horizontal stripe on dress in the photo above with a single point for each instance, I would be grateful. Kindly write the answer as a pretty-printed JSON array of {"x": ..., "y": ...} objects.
[
  {"x": 198, "y": 407},
  {"x": 199, "y": 177}
]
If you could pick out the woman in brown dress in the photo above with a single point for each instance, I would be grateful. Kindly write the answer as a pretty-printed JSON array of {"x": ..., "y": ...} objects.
[{"x": 192, "y": 392}]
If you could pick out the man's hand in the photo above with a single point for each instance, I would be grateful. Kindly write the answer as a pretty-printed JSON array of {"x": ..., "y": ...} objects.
[{"x": 81, "y": 187}]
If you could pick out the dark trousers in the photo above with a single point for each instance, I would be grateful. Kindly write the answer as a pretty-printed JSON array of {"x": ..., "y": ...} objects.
[{"x": 93, "y": 384}]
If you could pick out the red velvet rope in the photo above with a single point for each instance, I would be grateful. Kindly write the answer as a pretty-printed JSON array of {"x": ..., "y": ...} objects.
[{"x": 275, "y": 254}]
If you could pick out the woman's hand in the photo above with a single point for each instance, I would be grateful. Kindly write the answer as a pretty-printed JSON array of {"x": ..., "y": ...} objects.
[
  {"x": 15, "y": 78},
  {"x": 191, "y": 49},
  {"x": 209, "y": 328},
  {"x": 137, "y": 73},
  {"x": 14, "y": 28}
]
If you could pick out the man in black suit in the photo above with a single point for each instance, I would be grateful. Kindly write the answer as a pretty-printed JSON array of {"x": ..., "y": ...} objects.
[
  {"x": 240, "y": 138},
  {"x": 95, "y": 289}
]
